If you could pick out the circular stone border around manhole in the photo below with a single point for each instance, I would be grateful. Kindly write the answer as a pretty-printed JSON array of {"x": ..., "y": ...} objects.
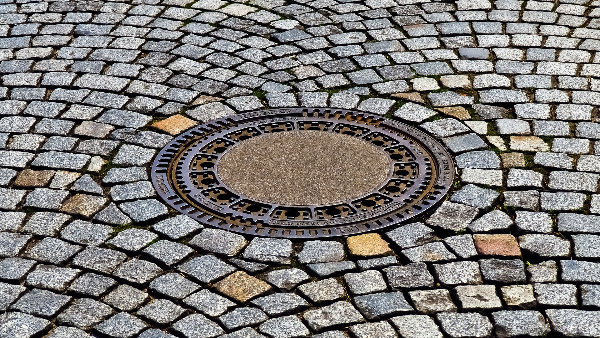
[{"x": 412, "y": 173}]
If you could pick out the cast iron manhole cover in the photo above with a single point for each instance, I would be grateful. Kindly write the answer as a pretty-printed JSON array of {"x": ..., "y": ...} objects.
[{"x": 302, "y": 172}]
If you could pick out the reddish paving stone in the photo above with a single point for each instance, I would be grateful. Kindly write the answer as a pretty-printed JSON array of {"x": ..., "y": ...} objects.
[{"x": 497, "y": 245}]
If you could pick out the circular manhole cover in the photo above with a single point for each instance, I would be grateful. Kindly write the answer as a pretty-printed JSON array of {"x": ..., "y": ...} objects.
[{"x": 302, "y": 172}]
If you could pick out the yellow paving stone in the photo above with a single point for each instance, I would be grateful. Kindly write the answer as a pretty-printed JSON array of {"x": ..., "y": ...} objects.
[
  {"x": 33, "y": 178},
  {"x": 414, "y": 97},
  {"x": 528, "y": 143},
  {"x": 511, "y": 160},
  {"x": 368, "y": 245},
  {"x": 175, "y": 124},
  {"x": 83, "y": 204},
  {"x": 457, "y": 112},
  {"x": 241, "y": 286}
]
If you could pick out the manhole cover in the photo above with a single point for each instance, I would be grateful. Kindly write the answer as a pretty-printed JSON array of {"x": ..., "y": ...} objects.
[{"x": 302, "y": 172}]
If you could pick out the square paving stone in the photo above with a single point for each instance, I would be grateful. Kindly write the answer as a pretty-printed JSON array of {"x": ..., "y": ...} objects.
[
  {"x": 556, "y": 294},
  {"x": 590, "y": 295},
  {"x": 84, "y": 313},
  {"x": 11, "y": 220},
  {"x": 287, "y": 278},
  {"x": 339, "y": 313},
  {"x": 586, "y": 245},
  {"x": 17, "y": 324},
  {"x": 533, "y": 221},
  {"x": 288, "y": 326},
  {"x": 45, "y": 223},
  {"x": 86, "y": 233},
  {"x": 51, "y": 277},
  {"x": 416, "y": 326},
  {"x": 133, "y": 155},
  {"x": 121, "y": 325},
  {"x": 518, "y": 295},
  {"x": 219, "y": 241},
  {"x": 323, "y": 290},
  {"x": 177, "y": 227},
  {"x": 125, "y": 297},
  {"x": 83, "y": 204},
  {"x": 477, "y": 297},
  {"x": 15, "y": 268},
  {"x": 365, "y": 282},
  {"x": 269, "y": 250},
  {"x": 241, "y": 286},
  {"x": 483, "y": 159},
  {"x": 168, "y": 252},
  {"x": 411, "y": 235},
  {"x": 430, "y": 252},
  {"x": 137, "y": 271},
  {"x": 132, "y": 191},
  {"x": 99, "y": 259},
  {"x": 384, "y": 304},
  {"x": 197, "y": 325},
  {"x": 571, "y": 222},
  {"x": 580, "y": 271},
  {"x": 575, "y": 323},
  {"x": 209, "y": 303},
  {"x": 132, "y": 239},
  {"x": 493, "y": 220},
  {"x": 465, "y": 324},
  {"x": 528, "y": 199},
  {"x": 206, "y": 268},
  {"x": 280, "y": 303},
  {"x": 243, "y": 316},
  {"x": 321, "y": 251},
  {"x": 520, "y": 323},
  {"x": 144, "y": 210},
  {"x": 331, "y": 268},
  {"x": 92, "y": 284},
  {"x": 454, "y": 273},
  {"x": 475, "y": 196},
  {"x": 504, "y": 271},
  {"x": 453, "y": 216},
  {"x": 545, "y": 245},
  {"x": 33, "y": 178},
  {"x": 497, "y": 245},
  {"x": 409, "y": 276},
  {"x": 173, "y": 285},
  {"x": 45, "y": 198},
  {"x": 11, "y": 243},
  {"x": 161, "y": 311},
  {"x": 462, "y": 245},
  {"x": 41, "y": 303},
  {"x": 368, "y": 245},
  {"x": 432, "y": 301},
  {"x": 8, "y": 294},
  {"x": 60, "y": 160},
  {"x": 67, "y": 331}
]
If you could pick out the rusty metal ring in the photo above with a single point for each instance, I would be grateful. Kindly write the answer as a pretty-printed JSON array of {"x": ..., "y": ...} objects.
[{"x": 184, "y": 175}]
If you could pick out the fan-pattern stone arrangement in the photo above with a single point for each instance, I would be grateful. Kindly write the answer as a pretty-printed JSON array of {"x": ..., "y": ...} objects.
[{"x": 90, "y": 91}]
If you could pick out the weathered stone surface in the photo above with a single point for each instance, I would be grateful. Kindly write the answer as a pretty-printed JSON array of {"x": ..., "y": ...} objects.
[
  {"x": 339, "y": 313},
  {"x": 242, "y": 286}
]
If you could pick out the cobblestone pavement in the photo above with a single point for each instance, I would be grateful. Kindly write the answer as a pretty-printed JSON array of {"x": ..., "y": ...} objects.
[{"x": 90, "y": 90}]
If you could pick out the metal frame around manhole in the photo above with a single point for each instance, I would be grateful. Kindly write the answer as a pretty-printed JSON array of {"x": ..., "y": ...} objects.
[{"x": 184, "y": 175}]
